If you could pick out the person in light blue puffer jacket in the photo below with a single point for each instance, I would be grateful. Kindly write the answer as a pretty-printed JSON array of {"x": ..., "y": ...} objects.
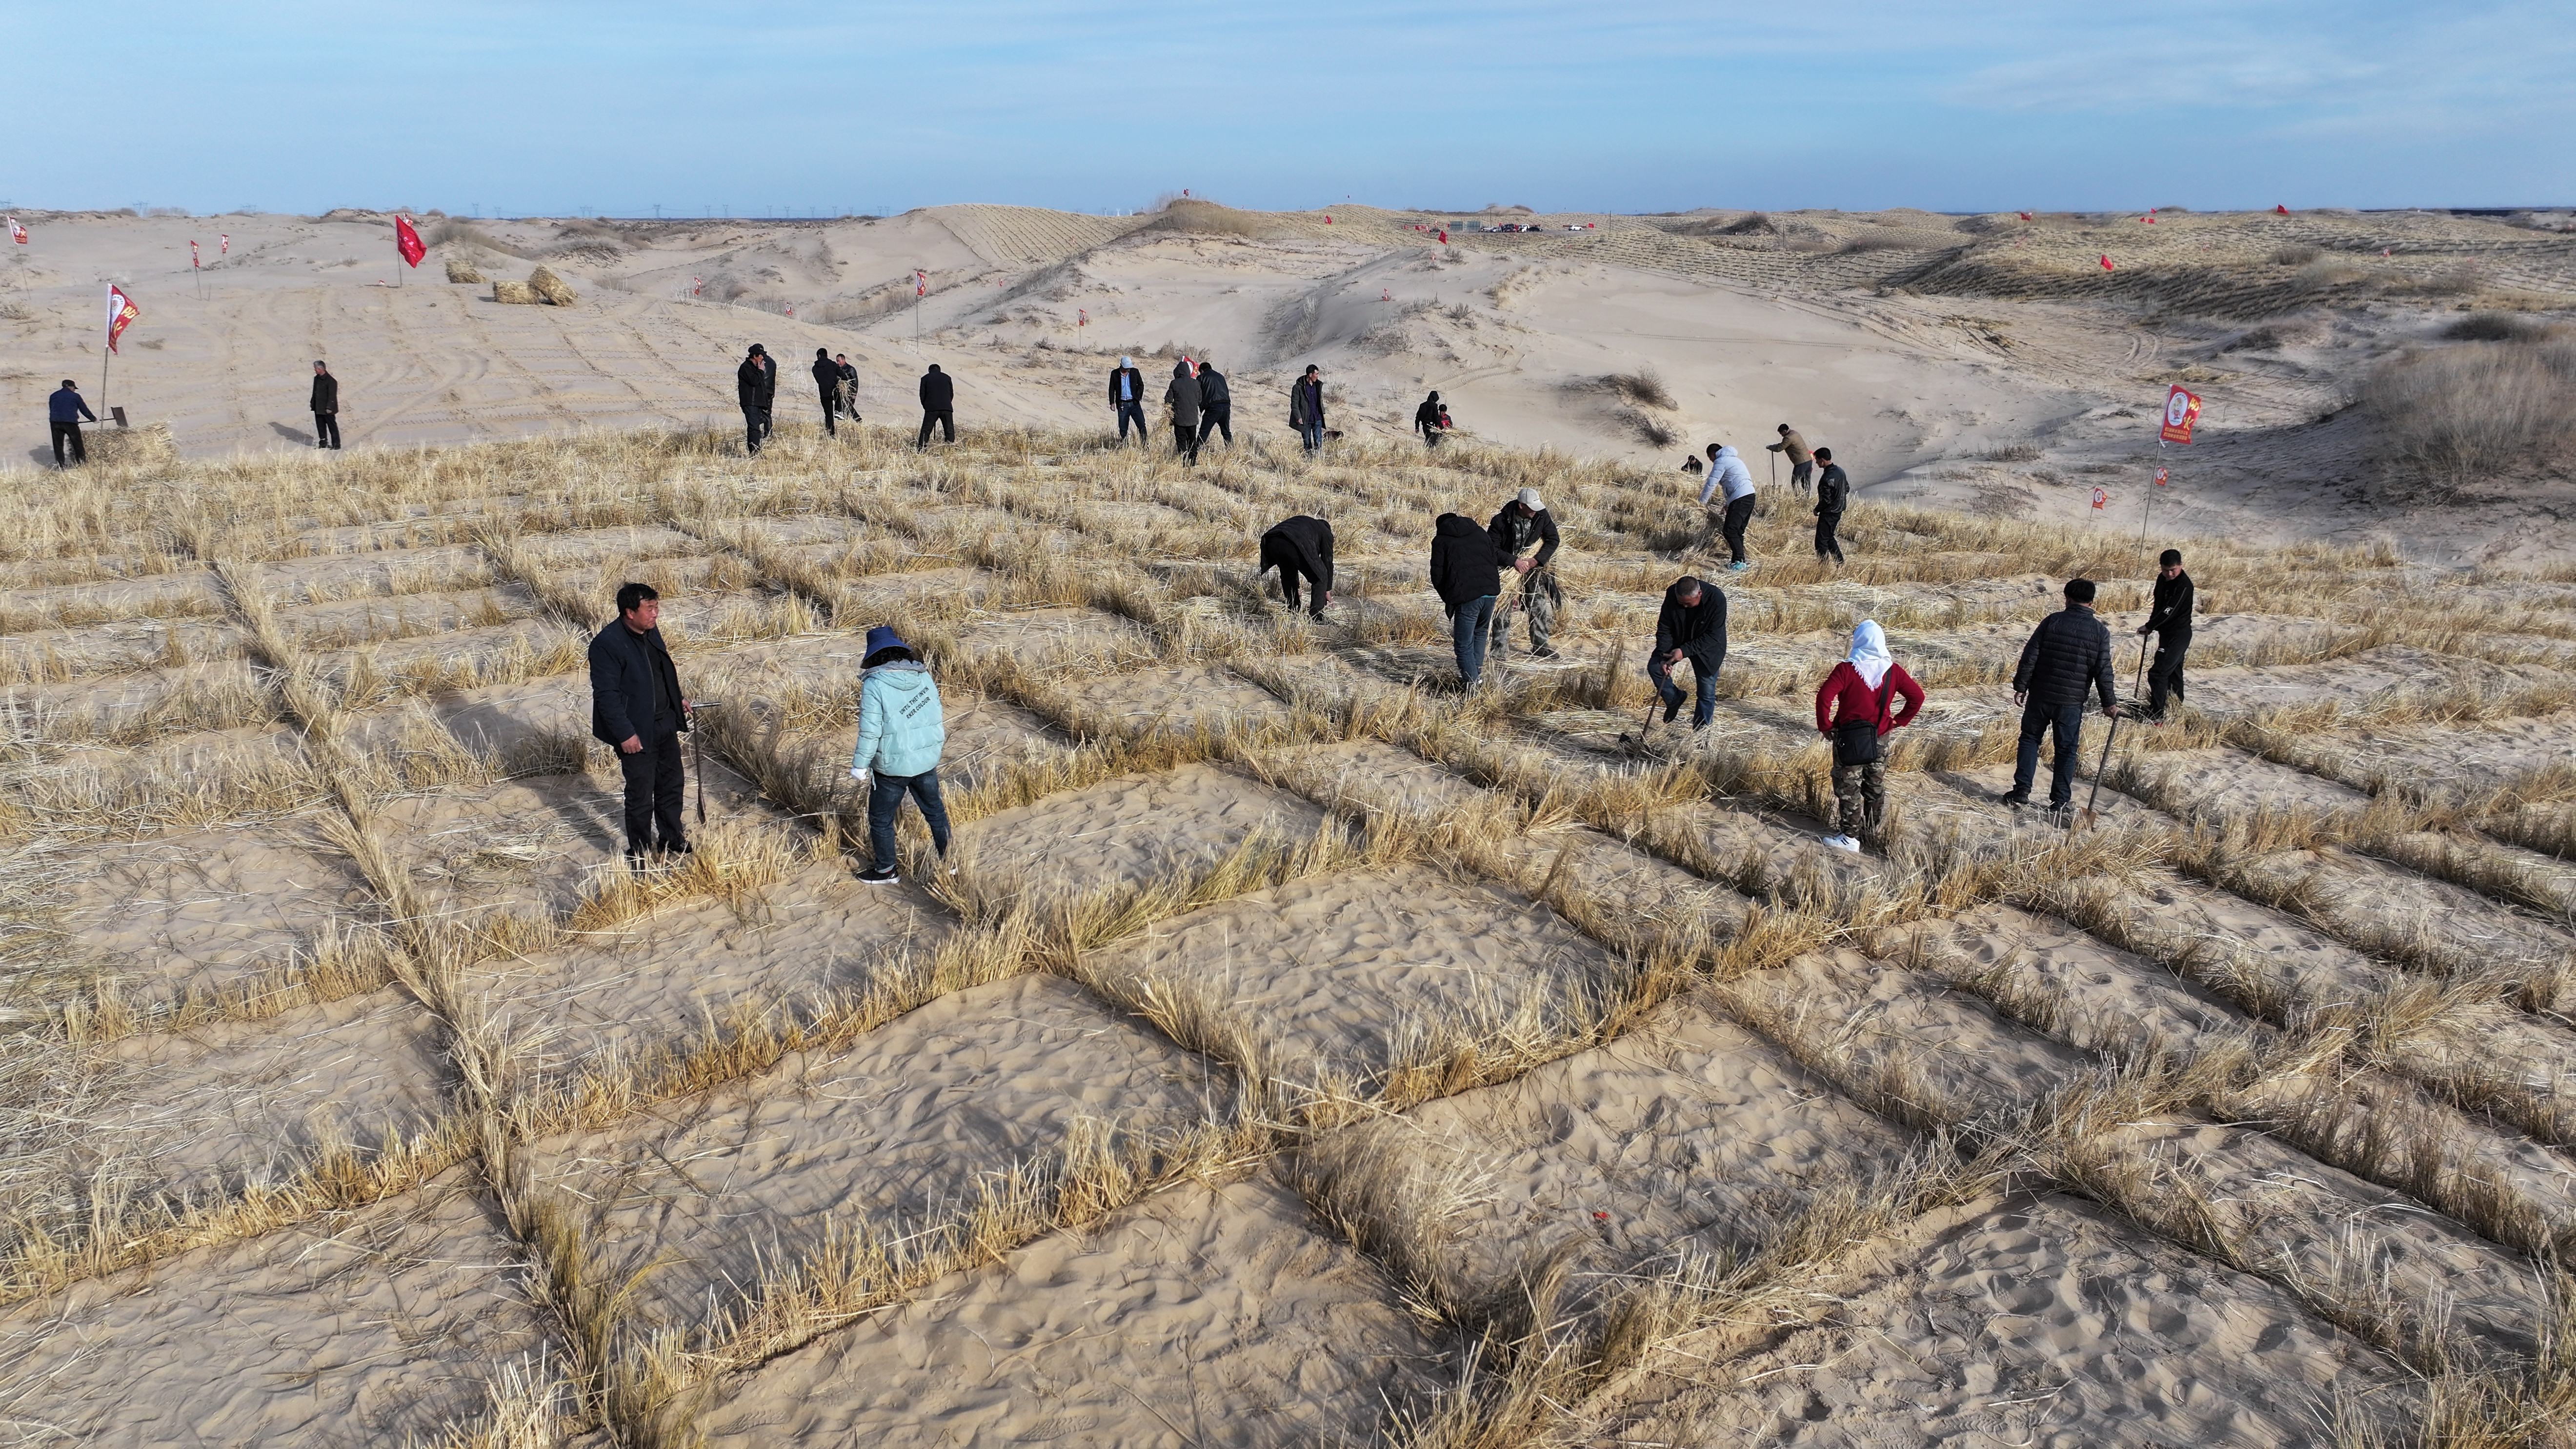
[{"x": 901, "y": 732}]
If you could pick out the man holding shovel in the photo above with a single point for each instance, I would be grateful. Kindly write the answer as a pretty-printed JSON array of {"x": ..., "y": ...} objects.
[
  {"x": 2068, "y": 655},
  {"x": 636, "y": 707}
]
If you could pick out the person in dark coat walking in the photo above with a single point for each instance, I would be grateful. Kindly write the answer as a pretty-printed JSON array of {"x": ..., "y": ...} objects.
[
  {"x": 1216, "y": 404},
  {"x": 1127, "y": 400},
  {"x": 1518, "y": 527},
  {"x": 827, "y": 384},
  {"x": 1833, "y": 495},
  {"x": 1467, "y": 573},
  {"x": 938, "y": 405},
  {"x": 1427, "y": 421},
  {"x": 1300, "y": 548},
  {"x": 1182, "y": 397},
  {"x": 2169, "y": 619},
  {"x": 326, "y": 406},
  {"x": 65, "y": 409},
  {"x": 1692, "y": 627},
  {"x": 636, "y": 708},
  {"x": 2068, "y": 655},
  {"x": 1306, "y": 407},
  {"x": 755, "y": 387}
]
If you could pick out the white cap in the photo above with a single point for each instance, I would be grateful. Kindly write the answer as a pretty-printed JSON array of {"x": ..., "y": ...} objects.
[
  {"x": 1529, "y": 500},
  {"x": 1125, "y": 361}
]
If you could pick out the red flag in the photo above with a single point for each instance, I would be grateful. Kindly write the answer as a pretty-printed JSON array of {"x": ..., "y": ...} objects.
[
  {"x": 2182, "y": 409},
  {"x": 2101, "y": 497},
  {"x": 1328, "y": 218},
  {"x": 193, "y": 259},
  {"x": 1444, "y": 236},
  {"x": 1185, "y": 191},
  {"x": 2160, "y": 477},
  {"x": 2025, "y": 216},
  {"x": 121, "y": 313},
  {"x": 1081, "y": 317},
  {"x": 791, "y": 311},
  {"x": 225, "y": 244},
  {"x": 2383, "y": 251},
  {"x": 2106, "y": 263},
  {"x": 17, "y": 233},
  {"x": 407, "y": 241},
  {"x": 1384, "y": 295},
  {"x": 2283, "y": 210},
  {"x": 920, "y": 283},
  {"x": 2149, "y": 220},
  {"x": 694, "y": 284}
]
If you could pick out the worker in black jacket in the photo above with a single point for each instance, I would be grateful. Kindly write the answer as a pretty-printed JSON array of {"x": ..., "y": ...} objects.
[
  {"x": 1467, "y": 573},
  {"x": 938, "y": 405},
  {"x": 755, "y": 387},
  {"x": 1692, "y": 626},
  {"x": 2170, "y": 621},
  {"x": 827, "y": 382},
  {"x": 1216, "y": 405},
  {"x": 1127, "y": 400},
  {"x": 1182, "y": 397},
  {"x": 636, "y": 708},
  {"x": 1300, "y": 548},
  {"x": 1426, "y": 421},
  {"x": 1524, "y": 524},
  {"x": 326, "y": 406},
  {"x": 1833, "y": 495},
  {"x": 2068, "y": 655}
]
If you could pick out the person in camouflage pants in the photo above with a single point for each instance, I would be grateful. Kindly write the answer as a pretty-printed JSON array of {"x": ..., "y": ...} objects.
[
  {"x": 1522, "y": 523},
  {"x": 1867, "y": 695},
  {"x": 1860, "y": 799}
]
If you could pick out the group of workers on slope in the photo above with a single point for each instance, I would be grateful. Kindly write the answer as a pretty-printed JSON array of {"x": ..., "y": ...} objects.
[
  {"x": 1198, "y": 400},
  {"x": 1729, "y": 494}
]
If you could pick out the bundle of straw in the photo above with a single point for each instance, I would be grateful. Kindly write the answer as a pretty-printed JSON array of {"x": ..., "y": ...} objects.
[
  {"x": 518, "y": 293},
  {"x": 549, "y": 286},
  {"x": 462, "y": 271}
]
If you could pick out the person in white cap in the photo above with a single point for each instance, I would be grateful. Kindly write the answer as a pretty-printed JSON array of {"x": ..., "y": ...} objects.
[
  {"x": 1522, "y": 525},
  {"x": 1127, "y": 398}
]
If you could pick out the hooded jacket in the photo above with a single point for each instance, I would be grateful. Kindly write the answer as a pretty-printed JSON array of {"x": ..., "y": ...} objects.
[
  {"x": 1213, "y": 393},
  {"x": 1183, "y": 395},
  {"x": 67, "y": 406},
  {"x": 2170, "y": 618},
  {"x": 326, "y": 393},
  {"x": 1728, "y": 471},
  {"x": 1512, "y": 533},
  {"x": 1464, "y": 566},
  {"x": 755, "y": 383},
  {"x": 902, "y": 728},
  {"x": 1698, "y": 630},
  {"x": 938, "y": 390},
  {"x": 1306, "y": 402},
  {"x": 1135, "y": 386},
  {"x": 634, "y": 691},
  {"x": 1303, "y": 544},
  {"x": 1426, "y": 418},
  {"x": 2068, "y": 653}
]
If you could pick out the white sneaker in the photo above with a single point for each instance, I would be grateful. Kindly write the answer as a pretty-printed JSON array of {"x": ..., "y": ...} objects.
[{"x": 1843, "y": 842}]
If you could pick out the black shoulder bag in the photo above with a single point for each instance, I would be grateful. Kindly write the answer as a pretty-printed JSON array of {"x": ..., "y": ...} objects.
[{"x": 1856, "y": 741}]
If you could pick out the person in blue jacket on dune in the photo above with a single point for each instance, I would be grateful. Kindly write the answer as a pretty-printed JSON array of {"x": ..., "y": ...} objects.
[{"x": 901, "y": 732}]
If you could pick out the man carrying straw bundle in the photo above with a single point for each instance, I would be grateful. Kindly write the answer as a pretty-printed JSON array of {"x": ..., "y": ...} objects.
[
  {"x": 1867, "y": 695},
  {"x": 1521, "y": 524}
]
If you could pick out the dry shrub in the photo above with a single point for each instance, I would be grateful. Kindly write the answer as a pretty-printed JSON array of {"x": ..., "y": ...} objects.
[
  {"x": 1647, "y": 427},
  {"x": 517, "y": 294},
  {"x": 462, "y": 271},
  {"x": 441, "y": 233},
  {"x": 547, "y": 285},
  {"x": 2497, "y": 327},
  {"x": 2295, "y": 254},
  {"x": 2459, "y": 412},
  {"x": 1645, "y": 387}
]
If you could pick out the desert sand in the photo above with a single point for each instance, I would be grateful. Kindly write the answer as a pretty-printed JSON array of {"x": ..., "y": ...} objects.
[
  {"x": 1981, "y": 362},
  {"x": 1301, "y": 1051}
]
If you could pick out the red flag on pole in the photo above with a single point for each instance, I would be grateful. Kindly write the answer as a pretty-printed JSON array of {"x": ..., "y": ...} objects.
[
  {"x": 1444, "y": 236},
  {"x": 1081, "y": 317},
  {"x": 2025, "y": 216},
  {"x": 2160, "y": 478},
  {"x": 2101, "y": 498},
  {"x": 17, "y": 233},
  {"x": 2283, "y": 210},
  {"x": 694, "y": 284},
  {"x": 2182, "y": 409},
  {"x": 193, "y": 259},
  {"x": 2106, "y": 263},
  {"x": 407, "y": 241},
  {"x": 121, "y": 313},
  {"x": 1328, "y": 218},
  {"x": 224, "y": 247},
  {"x": 920, "y": 283}
]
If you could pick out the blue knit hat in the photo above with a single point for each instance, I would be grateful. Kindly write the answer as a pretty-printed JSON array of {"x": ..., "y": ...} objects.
[{"x": 880, "y": 639}]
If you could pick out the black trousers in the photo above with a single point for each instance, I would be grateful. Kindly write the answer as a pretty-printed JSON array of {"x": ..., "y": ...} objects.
[
  {"x": 831, "y": 410},
  {"x": 755, "y": 428},
  {"x": 2065, "y": 722},
  {"x": 1185, "y": 440},
  {"x": 1215, "y": 418},
  {"x": 1738, "y": 514},
  {"x": 69, "y": 433},
  {"x": 1826, "y": 543},
  {"x": 655, "y": 783},
  {"x": 944, "y": 418},
  {"x": 1290, "y": 576},
  {"x": 326, "y": 430},
  {"x": 2164, "y": 677}
]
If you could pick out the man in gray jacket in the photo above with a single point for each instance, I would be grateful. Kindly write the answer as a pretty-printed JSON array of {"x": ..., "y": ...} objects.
[
  {"x": 2068, "y": 656},
  {"x": 1182, "y": 397}
]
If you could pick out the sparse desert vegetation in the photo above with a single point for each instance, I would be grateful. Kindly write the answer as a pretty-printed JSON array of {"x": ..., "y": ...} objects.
[{"x": 1302, "y": 1051}]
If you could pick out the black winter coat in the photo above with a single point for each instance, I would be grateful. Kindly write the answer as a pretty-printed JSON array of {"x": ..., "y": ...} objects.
[
  {"x": 2170, "y": 619},
  {"x": 1464, "y": 566},
  {"x": 1303, "y": 544},
  {"x": 1135, "y": 386},
  {"x": 1512, "y": 533},
  {"x": 2068, "y": 654},
  {"x": 938, "y": 390},
  {"x": 627, "y": 700},
  {"x": 827, "y": 375},
  {"x": 1212, "y": 389},
  {"x": 1183, "y": 396},
  {"x": 1833, "y": 490},
  {"x": 326, "y": 393},
  {"x": 1306, "y": 402},
  {"x": 1698, "y": 630},
  {"x": 755, "y": 383}
]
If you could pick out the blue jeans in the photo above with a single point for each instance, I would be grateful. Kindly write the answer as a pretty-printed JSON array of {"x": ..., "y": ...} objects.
[
  {"x": 1661, "y": 672},
  {"x": 885, "y": 798},
  {"x": 1134, "y": 410},
  {"x": 1312, "y": 434},
  {"x": 2066, "y": 722},
  {"x": 1470, "y": 626}
]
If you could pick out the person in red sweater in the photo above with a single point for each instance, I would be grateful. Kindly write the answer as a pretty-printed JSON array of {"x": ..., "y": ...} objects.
[{"x": 1866, "y": 696}]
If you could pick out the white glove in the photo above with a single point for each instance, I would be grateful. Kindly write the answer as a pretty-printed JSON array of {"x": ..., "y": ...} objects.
[{"x": 860, "y": 775}]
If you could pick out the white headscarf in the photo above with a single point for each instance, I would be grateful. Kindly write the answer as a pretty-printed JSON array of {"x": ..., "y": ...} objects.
[{"x": 1869, "y": 657}]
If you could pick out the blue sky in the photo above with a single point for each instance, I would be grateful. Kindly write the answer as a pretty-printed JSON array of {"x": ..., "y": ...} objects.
[{"x": 553, "y": 106}]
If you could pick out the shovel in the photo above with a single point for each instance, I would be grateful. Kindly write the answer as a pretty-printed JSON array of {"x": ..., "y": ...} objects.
[{"x": 2086, "y": 820}]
